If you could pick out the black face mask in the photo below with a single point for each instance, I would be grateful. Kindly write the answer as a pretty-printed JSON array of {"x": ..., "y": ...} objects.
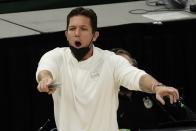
[{"x": 79, "y": 53}]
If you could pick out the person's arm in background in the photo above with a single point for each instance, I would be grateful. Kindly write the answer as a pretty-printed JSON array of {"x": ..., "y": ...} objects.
[
  {"x": 44, "y": 80},
  {"x": 149, "y": 84}
]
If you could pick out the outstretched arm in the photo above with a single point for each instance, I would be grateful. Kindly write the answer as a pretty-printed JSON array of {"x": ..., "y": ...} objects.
[{"x": 151, "y": 85}]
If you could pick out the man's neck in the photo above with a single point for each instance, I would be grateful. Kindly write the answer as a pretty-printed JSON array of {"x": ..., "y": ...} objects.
[{"x": 89, "y": 54}]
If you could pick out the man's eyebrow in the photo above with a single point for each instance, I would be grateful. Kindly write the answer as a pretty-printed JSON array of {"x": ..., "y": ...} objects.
[
  {"x": 71, "y": 26},
  {"x": 79, "y": 26}
]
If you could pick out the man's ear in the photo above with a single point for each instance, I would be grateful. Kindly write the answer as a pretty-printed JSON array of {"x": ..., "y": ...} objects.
[
  {"x": 96, "y": 35},
  {"x": 65, "y": 33}
]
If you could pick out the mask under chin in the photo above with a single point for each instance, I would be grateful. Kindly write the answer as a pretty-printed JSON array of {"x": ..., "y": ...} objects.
[{"x": 79, "y": 53}]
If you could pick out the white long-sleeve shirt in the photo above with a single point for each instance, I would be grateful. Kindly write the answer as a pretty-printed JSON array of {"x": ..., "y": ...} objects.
[{"x": 88, "y": 97}]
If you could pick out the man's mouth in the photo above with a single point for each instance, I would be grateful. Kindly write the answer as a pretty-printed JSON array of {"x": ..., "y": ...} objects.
[{"x": 78, "y": 44}]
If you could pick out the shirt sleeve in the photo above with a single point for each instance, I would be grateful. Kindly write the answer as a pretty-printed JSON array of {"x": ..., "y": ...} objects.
[
  {"x": 127, "y": 75},
  {"x": 49, "y": 61}
]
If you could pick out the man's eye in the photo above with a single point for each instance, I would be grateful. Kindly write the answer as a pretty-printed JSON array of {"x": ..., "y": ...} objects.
[
  {"x": 71, "y": 29},
  {"x": 84, "y": 29}
]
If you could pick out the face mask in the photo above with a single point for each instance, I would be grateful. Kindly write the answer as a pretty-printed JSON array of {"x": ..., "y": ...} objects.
[{"x": 79, "y": 53}]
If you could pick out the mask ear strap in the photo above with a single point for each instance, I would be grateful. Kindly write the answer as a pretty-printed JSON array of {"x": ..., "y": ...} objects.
[{"x": 91, "y": 42}]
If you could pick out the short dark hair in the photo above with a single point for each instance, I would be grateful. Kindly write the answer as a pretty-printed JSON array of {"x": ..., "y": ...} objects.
[
  {"x": 120, "y": 51},
  {"x": 84, "y": 12}
]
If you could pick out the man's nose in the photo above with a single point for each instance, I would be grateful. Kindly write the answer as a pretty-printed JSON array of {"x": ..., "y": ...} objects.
[{"x": 77, "y": 32}]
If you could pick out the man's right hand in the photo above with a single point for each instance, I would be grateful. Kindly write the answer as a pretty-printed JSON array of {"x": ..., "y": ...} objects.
[
  {"x": 44, "y": 80},
  {"x": 43, "y": 86}
]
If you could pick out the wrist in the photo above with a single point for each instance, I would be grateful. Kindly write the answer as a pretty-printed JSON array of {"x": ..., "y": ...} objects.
[{"x": 155, "y": 85}]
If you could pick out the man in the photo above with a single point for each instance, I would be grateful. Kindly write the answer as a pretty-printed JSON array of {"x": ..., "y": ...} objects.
[
  {"x": 87, "y": 99},
  {"x": 126, "y": 55},
  {"x": 142, "y": 103},
  {"x": 136, "y": 109}
]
